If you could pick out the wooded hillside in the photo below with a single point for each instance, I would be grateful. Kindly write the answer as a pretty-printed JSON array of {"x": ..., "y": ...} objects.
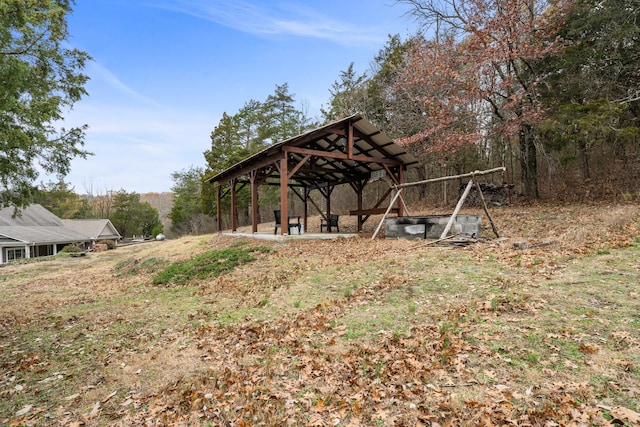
[{"x": 550, "y": 89}]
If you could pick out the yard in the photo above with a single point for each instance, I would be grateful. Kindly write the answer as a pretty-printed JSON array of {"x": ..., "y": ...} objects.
[{"x": 538, "y": 328}]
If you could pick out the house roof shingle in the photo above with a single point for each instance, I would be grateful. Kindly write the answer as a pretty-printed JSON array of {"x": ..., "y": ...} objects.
[
  {"x": 32, "y": 215},
  {"x": 36, "y": 225},
  {"x": 41, "y": 234},
  {"x": 96, "y": 229}
]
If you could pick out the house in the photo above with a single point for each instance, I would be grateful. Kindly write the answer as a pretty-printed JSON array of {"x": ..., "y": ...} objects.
[
  {"x": 96, "y": 229},
  {"x": 34, "y": 232}
]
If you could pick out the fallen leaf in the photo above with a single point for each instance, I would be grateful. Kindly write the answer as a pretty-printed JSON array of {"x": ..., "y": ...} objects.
[
  {"x": 94, "y": 411},
  {"x": 586, "y": 349},
  {"x": 625, "y": 414},
  {"x": 106, "y": 399},
  {"x": 24, "y": 410}
]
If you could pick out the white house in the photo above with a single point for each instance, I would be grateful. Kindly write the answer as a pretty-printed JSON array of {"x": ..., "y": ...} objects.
[{"x": 34, "y": 232}]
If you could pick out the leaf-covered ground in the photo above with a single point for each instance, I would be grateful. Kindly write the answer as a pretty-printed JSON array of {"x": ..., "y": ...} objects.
[{"x": 538, "y": 328}]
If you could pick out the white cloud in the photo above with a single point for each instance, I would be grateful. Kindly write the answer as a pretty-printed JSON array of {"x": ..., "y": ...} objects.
[
  {"x": 136, "y": 147},
  {"x": 101, "y": 75},
  {"x": 287, "y": 20}
]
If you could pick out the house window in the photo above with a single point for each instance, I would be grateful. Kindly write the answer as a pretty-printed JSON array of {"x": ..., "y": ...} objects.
[{"x": 15, "y": 254}]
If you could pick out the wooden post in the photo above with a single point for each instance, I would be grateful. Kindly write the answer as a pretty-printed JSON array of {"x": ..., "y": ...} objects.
[
  {"x": 457, "y": 209},
  {"x": 359, "y": 191},
  {"x": 219, "y": 205},
  {"x": 254, "y": 201},
  {"x": 393, "y": 200},
  {"x": 450, "y": 178},
  {"x": 401, "y": 205},
  {"x": 305, "y": 193},
  {"x": 329, "y": 191},
  {"x": 484, "y": 206},
  {"x": 234, "y": 207},
  {"x": 284, "y": 193}
]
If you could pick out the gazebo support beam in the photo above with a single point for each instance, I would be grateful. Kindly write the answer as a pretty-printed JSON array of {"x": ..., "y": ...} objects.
[
  {"x": 315, "y": 205},
  {"x": 284, "y": 193},
  {"x": 219, "y": 206},
  {"x": 306, "y": 193},
  {"x": 359, "y": 187},
  {"x": 234, "y": 206},
  {"x": 254, "y": 201},
  {"x": 303, "y": 198}
]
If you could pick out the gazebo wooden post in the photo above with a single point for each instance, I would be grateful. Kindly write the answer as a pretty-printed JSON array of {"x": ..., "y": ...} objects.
[
  {"x": 325, "y": 191},
  {"x": 219, "y": 205},
  {"x": 284, "y": 192},
  {"x": 401, "y": 171},
  {"x": 359, "y": 187},
  {"x": 234, "y": 207},
  {"x": 305, "y": 193},
  {"x": 254, "y": 200},
  {"x": 350, "y": 140}
]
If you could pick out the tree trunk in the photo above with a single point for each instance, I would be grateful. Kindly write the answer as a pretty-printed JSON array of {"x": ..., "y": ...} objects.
[
  {"x": 422, "y": 175},
  {"x": 528, "y": 162},
  {"x": 584, "y": 160}
]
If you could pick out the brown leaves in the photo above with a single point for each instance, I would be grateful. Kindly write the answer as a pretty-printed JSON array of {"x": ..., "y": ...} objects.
[
  {"x": 621, "y": 415},
  {"x": 451, "y": 337},
  {"x": 279, "y": 373}
]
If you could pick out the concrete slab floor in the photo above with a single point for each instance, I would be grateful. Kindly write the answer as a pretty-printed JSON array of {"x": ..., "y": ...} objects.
[{"x": 292, "y": 237}]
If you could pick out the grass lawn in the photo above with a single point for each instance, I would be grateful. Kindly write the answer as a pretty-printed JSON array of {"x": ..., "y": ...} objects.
[{"x": 538, "y": 328}]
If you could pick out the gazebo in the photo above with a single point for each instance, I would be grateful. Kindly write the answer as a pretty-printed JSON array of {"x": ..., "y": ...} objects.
[{"x": 350, "y": 151}]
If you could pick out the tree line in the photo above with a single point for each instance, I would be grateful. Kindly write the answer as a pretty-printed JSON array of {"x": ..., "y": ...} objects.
[
  {"x": 129, "y": 214},
  {"x": 548, "y": 88}
]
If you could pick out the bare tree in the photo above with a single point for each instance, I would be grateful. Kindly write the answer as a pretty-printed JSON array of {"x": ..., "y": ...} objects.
[{"x": 477, "y": 73}]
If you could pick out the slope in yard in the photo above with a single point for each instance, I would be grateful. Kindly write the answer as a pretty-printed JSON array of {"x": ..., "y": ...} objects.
[{"x": 540, "y": 327}]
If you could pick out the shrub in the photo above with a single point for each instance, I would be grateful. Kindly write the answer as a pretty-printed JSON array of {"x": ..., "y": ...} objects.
[
  {"x": 209, "y": 264},
  {"x": 71, "y": 249},
  {"x": 110, "y": 244}
]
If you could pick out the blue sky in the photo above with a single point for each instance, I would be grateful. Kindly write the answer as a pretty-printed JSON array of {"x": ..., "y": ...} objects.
[{"x": 164, "y": 71}]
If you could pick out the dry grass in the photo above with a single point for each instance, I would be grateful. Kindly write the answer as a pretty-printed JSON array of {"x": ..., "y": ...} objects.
[{"x": 342, "y": 332}]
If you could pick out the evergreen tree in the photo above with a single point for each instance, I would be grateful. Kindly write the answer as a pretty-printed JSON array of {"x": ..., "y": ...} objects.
[
  {"x": 348, "y": 95},
  {"x": 227, "y": 145},
  {"x": 282, "y": 119},
  {"x": 249, "y": 121},
  {"x": 255, "y": 126},
  {"x": 186, "y": 214},
  {"x": 60, "y": 199},
  {"x": 41, "y": 78},
  {"x": 594, "y": 89},
  {"x": 132, "y": 217}
]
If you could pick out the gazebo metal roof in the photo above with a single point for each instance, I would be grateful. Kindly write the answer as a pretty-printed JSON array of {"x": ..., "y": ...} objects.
[{"x": 329, "y": 162}]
